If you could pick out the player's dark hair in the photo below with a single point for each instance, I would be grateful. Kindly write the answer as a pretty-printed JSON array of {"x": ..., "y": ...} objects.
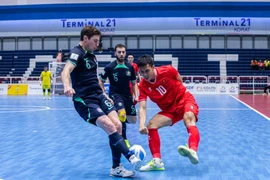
[
  {"x": 89, "y": 31},
  {"x": 119, "y": 46},
  {"x": 130, "y": 55},
  {"x": 144, "y": 60}
]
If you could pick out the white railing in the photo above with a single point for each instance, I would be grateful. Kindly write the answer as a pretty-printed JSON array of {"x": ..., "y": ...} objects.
[
  {"x": 253, "y": 84},
  {"x": 247, "y": 84},
  {"x": 19, "y": 80},
  {"x": 195, "y": 79}
]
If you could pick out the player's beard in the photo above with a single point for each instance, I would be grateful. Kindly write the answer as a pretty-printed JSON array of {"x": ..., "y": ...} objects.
[{"x": 120, "y": 60}]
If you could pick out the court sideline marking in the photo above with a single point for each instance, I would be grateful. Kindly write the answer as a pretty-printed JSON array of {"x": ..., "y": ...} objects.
[{"x": 251, "y": 108}]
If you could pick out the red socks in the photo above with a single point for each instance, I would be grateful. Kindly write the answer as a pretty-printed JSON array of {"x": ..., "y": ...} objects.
[
  {"x": 154, "y": 140},
  {"x": 154, "y": 143},
  {"x": 194, "y": 138}
]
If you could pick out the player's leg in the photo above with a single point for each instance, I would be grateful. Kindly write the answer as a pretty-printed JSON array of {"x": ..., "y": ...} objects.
[
  {"x": 92, "y": 113},
  {"x": 44, "y": 93},
  {"x": 190, "y": 118},
  {"x": 130, "y": 110},
  {"x": 265, "y": 90},
  {"x": 44, "y": 90},
  {"x": 119, "y": 103},
  {"x": 131, "y": 115},
  {"x": 118, "y": 146},
  {"x": 117, "y": 142},
  {"x": 158, "y": 121},
  {"x": 49, "y": 93}
]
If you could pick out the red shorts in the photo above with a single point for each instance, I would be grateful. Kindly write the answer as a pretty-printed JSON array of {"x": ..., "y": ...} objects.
[{"x": 187, "y": 103}]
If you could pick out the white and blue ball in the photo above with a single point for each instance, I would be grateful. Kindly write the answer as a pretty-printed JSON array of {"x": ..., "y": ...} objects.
[{"x": 138, "y": 151}]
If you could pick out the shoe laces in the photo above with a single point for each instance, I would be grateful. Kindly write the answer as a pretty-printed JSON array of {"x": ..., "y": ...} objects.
[{"x": 156, "y": 162}]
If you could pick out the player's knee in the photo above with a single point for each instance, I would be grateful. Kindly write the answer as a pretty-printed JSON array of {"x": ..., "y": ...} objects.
[
  {"x": 118, "y": 126},
  {"x": 151, "y": 124},
  {"x": 106, "y": 124},
  {"x": 122, "y": 115},
  {"x": 189, "y": 119}
]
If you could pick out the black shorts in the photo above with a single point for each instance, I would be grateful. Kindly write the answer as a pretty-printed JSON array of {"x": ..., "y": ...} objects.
[
  {"x": 124, "y": 102},
  {"x": 93, "y": 107}
]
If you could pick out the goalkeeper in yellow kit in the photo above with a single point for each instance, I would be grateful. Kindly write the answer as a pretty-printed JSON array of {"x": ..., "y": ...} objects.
[{"x": 46, "y": 77}]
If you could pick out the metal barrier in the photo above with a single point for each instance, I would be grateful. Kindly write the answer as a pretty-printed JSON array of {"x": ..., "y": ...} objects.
[
  {"x": 253, "y": 84},
  {"x": 247, "y": 84},
  {"x": 19, "y": 80}
]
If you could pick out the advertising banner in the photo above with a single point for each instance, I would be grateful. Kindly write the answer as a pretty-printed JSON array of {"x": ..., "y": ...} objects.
[
  {"x": 3, "y": 89},
  {"x": 213, "y": 88},
  {"x": 35, "y": 89},
  {"x": 138, "y": 26},
  {"x": 17, "y": 89}
]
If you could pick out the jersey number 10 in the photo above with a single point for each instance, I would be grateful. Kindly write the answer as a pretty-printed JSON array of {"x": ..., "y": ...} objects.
[{"x": 161, "y": 90}]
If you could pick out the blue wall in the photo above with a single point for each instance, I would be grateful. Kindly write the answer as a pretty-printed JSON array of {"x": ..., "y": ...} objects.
[{"x": 118, "y": 10}]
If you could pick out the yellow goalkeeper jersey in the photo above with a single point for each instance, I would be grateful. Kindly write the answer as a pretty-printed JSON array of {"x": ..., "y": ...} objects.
[{"x": 46, "y": 77}]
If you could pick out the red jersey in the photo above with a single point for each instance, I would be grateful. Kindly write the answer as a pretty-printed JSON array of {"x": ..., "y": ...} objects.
[
  {"x": 135, "y": 66},
  {"x": 136, "y": 69},
  {"x": 166, "y": 91}
]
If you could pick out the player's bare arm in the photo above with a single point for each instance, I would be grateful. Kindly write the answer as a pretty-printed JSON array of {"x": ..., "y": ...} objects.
[
  {"x": 101, "y": 84},
  {"x": 68, "y": 90},
  {"x": 135, "y": 90},
  {"x": 142, "y": 118}
]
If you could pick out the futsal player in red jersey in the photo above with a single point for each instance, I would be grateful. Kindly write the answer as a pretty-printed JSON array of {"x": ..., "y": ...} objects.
[
  {"x": 136, "y": 69},
  {"x": 164, "y": 86}
]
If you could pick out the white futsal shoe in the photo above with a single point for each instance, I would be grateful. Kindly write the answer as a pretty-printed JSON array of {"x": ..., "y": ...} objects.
[
  {"x": 120, "y": 171},
  {"x": 189, "y": 153},
  {"x": 135, "y": 162},
  {"x": 155, "y": 164}
]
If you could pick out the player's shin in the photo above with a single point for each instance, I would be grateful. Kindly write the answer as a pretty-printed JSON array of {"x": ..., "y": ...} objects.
[
  {"x": 154, "y": 142},
  {"x": 124, "y": 133},
  {"x": 194, "y": 137},
  {"x": 118, "y": 141},
  {"x": 116, "y": 155}
]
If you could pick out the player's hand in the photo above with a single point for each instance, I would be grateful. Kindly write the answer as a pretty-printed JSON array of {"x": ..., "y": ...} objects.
[
  {"x": 143, "y": 130},
  {"x": 69, "y": 91},
  {"x": 136, "y": 98},
  {"x": 111, "y": 101}
]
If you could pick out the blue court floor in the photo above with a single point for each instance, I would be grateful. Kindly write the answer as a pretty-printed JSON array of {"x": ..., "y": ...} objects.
[{"x": 47, "y": 140}]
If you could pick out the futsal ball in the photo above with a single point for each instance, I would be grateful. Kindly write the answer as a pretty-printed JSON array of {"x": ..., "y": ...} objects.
[{"x": 138, "y": 151}]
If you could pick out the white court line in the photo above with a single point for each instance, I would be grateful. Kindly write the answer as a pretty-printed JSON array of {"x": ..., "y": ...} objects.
[
  {"x": 251, "y": 108},
  {"x": 22, "y": 109},
  {"x": 18, "y": 106},
  {"x": 61, "y": 109}
]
